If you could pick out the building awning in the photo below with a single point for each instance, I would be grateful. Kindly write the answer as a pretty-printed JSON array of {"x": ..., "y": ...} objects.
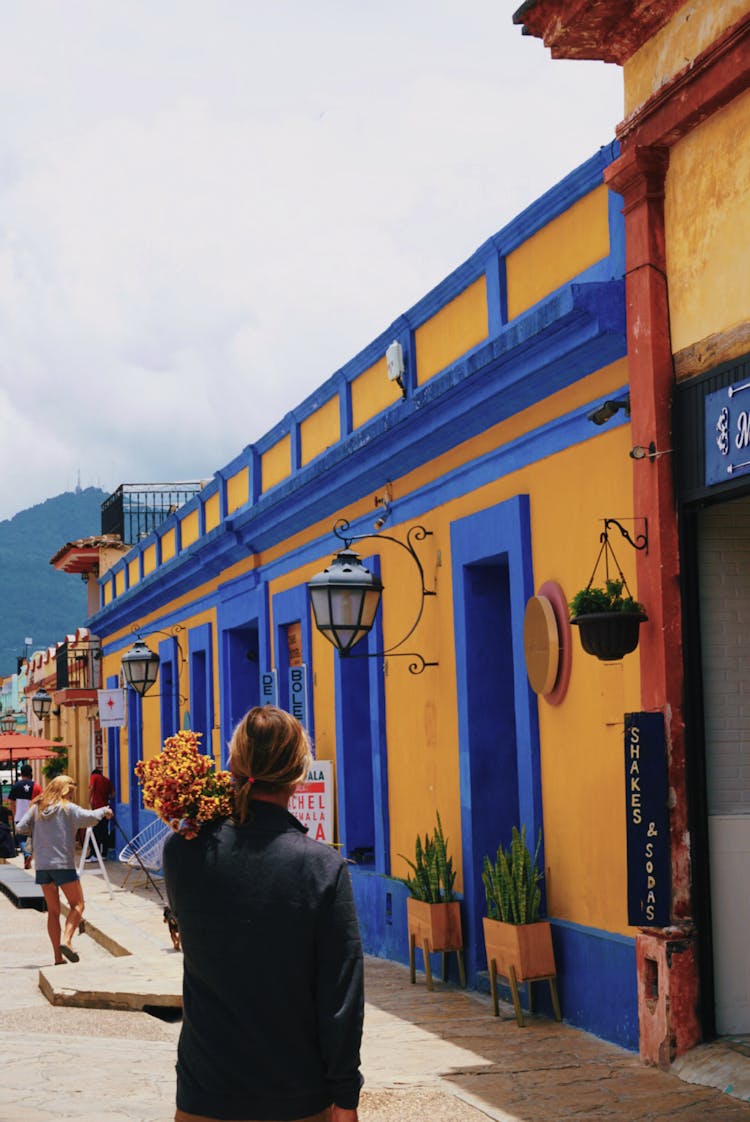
[{"x": 82, "y": 556}]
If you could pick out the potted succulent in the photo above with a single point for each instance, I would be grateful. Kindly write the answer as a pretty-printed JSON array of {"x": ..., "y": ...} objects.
[
  {"x": 432, "y": 911},
  {"x": 518, "y": 943},
  {"x": 608, "y": 621}
]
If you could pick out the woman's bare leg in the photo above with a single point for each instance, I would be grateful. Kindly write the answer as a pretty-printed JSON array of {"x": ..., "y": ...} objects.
[
  {"x": 74, "y": 895},
  {"x": 52, "y": 900}
]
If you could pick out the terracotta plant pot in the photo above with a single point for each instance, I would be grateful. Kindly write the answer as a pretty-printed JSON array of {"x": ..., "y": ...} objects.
[
  {"x": 434, "y": 928},
  {"x": 521, "y": 953}
]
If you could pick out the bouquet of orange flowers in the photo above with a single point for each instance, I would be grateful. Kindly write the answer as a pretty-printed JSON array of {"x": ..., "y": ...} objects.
[{"x": 183, "y": 786}]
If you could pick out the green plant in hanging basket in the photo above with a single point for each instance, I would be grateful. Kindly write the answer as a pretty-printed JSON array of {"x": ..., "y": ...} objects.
[
  {"x": 608, "y": 599},
  {"x": 511, "y": 882},
  {"x": 433, "y": 873},
  {"x": 608, "y": 622}
]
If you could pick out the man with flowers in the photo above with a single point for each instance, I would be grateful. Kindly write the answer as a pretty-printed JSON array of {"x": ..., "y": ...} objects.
[{"x": 273, "y": 983}]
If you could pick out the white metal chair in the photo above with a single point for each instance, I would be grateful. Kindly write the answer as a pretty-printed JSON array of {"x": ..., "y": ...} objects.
[{"x": 144, "y": 851}]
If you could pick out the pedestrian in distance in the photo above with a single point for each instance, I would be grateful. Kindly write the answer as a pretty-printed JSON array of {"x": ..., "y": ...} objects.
[
  {"x": 7, "y": 832},
  {"x": 53, "y": 820},
  {"x": 19, "y": 798},
  {"x": 273, "y": 992},
  {"x": 100, "y": 792}
]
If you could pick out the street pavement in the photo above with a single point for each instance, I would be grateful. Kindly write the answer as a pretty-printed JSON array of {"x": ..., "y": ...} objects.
[{"x": 96, "y": 1043}]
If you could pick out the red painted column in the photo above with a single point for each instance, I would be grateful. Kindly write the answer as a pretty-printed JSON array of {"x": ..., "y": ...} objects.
[{"x": 668, "y": 997}]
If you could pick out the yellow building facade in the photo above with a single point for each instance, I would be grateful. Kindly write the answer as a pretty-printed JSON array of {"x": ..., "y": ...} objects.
[{"x": 483, "y": 456}]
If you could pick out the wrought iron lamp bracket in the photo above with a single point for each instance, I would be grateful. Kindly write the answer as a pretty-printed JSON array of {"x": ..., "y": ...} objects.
[
  {"x": 137, "y": 629},
  {"x": 414, "y": 534},
  {"x": 172, "y": 632}
]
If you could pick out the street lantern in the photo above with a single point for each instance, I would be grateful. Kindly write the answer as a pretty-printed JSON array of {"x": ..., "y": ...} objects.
[
  {"x": 8, "y": 722},
  {"x": 345, "y": 598},
  {"x": 41, "y": 703},
  {"x": 140, "y": 665}
]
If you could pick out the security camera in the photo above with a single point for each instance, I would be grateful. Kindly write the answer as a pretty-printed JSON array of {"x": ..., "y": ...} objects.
[{"x": 607, "y": 410}]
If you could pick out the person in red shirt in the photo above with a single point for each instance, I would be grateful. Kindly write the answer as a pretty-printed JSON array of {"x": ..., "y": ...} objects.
[{"x": 100, "y": 792}]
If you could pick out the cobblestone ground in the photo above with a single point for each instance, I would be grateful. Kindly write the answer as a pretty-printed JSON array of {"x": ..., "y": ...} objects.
[{"x": 437, "y": 1057}]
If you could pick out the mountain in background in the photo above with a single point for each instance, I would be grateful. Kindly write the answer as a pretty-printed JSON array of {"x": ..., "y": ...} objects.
[{"x": 37, "y": 601}]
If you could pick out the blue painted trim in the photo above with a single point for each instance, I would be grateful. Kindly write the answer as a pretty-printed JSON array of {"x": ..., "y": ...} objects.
[
  {"x": 289, "y": 607},
  {"x": 368, "y": 657},
  {"x": 113, "y": 748},
  {"x": 379, "y": 744},
  {"x": 497, "y": 305},
  {"x": 241, "y": 604},
  {"x": 169, "y": 704},
  {"x": 499, "y": 532},
  {"x": 345, "y": 407},
  {"x": 134, "y": 711},
  {"x": 295, "y": 452},
  {"x": 597, "y": 981},
  {"x": 200, "y": 643}
]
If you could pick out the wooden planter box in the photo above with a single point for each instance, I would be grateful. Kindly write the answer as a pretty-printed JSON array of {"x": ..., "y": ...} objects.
[
  {"x": 521, "y": 953},
  {"x": 434, "y": 928}
]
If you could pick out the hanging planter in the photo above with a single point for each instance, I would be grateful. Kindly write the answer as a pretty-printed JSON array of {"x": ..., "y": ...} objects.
[
  {"x": 609, "y": 636},
  {"x": 608, "y": 618}
]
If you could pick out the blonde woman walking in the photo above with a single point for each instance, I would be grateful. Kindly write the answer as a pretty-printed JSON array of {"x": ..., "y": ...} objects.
[{"x": 53, "y": 820}]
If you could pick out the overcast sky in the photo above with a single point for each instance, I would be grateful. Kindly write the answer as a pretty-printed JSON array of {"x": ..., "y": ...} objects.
[{"x": 209, "y": 206}]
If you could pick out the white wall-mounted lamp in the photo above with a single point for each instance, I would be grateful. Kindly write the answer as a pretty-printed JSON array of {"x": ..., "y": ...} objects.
[{"x": 396, "y": 364}]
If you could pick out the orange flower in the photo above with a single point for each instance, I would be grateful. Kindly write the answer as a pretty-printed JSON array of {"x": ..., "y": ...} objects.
[{"x": 182, "y": 785}]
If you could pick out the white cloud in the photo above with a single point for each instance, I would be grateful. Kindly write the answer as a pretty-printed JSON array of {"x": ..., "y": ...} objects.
[{"x": 206, "y": 209}]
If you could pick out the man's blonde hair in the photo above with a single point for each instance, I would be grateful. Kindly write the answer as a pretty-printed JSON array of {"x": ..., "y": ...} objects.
[{"x": 269, "y": 748}]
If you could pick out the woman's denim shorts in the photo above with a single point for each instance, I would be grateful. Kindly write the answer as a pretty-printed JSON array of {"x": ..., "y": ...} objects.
[{"x": 55, "y": 876}]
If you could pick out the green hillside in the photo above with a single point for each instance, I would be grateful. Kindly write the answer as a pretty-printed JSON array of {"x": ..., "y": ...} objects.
[{"x": 37, "y": 601}]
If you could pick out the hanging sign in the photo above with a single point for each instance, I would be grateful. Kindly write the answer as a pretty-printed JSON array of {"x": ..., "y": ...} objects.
[
  {"x": 647, "y": 831},
  {"x": 111, "y": 708},
  {"x": 98, "y": 748},
  {"x": 727, "y": 432},
  {"x": 312, "y": 802},
  {"x": 298, "y": 693},
  {"x": 269, "y": 688}
]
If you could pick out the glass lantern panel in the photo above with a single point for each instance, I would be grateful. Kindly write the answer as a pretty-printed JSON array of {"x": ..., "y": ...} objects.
[
  {"x": 321, "y": 606},
  {"x": 370, "y": 607},
  {"x": 346, "y": 607}
]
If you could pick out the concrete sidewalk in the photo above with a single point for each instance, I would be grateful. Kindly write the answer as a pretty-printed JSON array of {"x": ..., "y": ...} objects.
[{"x": 97, "y": 1056}]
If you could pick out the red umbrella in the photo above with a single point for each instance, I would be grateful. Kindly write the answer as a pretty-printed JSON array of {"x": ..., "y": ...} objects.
[{"x": 20, "y": 746}]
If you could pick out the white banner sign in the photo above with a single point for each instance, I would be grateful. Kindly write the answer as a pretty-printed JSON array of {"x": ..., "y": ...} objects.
[
  {"x": 111, "y": 708},
  {"x": 312, "y": 802}
]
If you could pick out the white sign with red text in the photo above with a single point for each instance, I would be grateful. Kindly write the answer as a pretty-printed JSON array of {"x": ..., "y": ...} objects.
[{"x": 312, "y": 802}]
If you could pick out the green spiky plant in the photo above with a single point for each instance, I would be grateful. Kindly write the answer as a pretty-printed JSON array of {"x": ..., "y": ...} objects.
[
  {"x": 432, "y": 869},
  {"x": 511, "y": 882},
  {"x": 607, "y": 599}
]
